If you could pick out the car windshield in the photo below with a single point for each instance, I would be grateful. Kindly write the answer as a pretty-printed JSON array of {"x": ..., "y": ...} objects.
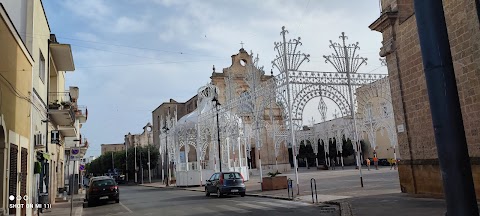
[
  {"x": 232, "y": 176},
  {"x": 104, "y": 182}
]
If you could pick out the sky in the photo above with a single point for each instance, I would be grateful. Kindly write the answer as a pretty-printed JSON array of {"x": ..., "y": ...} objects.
[{"x": 132, "y": 55}]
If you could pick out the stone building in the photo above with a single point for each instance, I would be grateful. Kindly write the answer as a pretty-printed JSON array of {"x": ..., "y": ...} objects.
[
  {"x": 161, "y": 112},
  {"x": 143, "y": 139},
  {"x": 419, "y": 169},
  {"x": 113, "y": 148},
  {"x": 236, "y": 73}
]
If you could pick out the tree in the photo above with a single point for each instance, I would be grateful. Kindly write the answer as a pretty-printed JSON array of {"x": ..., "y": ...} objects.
[
  {"x": 332, "y": 148},
  {"x": 103, "y": 163},
  {"x": 347, "y": 147}
]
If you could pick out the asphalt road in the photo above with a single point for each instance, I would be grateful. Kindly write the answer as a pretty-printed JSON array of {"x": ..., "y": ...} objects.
[{"x": 139, "y": 200}]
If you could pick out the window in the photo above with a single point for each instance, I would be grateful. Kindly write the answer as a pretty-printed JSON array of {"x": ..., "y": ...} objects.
[
  {"x": 105, "y": 182},
  {"x": 217, "y": 176},
  {"x": 212, "y": 177},
  {"x": 232, "y": 176},
  {"x": 42, "y": 68}
]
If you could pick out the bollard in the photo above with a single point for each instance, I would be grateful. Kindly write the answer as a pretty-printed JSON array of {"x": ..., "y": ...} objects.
[
  {"x": 312, "y": 182},
  {"x": 290, "y": 190}
]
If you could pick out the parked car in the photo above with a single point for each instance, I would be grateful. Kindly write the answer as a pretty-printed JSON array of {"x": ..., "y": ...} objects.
[
  {"x": 102, "y": 188},
  {"x": 225, "y": 183}
]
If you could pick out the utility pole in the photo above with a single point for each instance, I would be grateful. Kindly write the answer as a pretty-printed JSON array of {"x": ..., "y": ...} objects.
[{"x": 113, "y": 163}]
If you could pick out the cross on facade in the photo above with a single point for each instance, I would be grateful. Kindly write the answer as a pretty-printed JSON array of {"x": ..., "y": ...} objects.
[{"x": 241, "y": 42}]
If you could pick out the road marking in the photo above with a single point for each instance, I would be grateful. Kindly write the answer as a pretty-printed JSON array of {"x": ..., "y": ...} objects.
[
  {"x": 255, "y": 206},
  {"x": 292, "y": 203},
  {"x": 125, "y": 207},
  {"x": 274, "y": 204},
  {"x": 231, "y": 208}
]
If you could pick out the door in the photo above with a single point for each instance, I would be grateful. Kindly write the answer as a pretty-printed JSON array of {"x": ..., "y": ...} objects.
[
  {"x": 23, "y": 178},
  {"x": 12, "y": 182},
  {"x": 210, "y": 183}
]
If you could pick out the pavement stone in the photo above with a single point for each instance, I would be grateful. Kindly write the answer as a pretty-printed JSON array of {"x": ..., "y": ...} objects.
[{"x": 63, "y": 208}]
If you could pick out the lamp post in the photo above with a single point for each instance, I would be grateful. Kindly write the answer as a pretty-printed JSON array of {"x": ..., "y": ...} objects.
[
  {"x": 148, "y": 150},
  {"x": 136, "y": 169},
  {"x": 215, "y": 100},
  {"x": 73, "y": 179},
  {"x": 165, "y": 129}
]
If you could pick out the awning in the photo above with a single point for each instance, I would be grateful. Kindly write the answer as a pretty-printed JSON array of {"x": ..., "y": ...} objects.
[{"x": 46, "y": 156}]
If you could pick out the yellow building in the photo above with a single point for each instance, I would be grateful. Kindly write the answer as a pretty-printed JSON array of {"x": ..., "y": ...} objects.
[
  {"x": 34, "y": 64},
  {"x": 15, "y": 115}
]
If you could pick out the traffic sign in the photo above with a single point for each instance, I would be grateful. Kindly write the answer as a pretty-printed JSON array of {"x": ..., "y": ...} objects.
[
  {"x": 82, "y": 167},
  {"x": 75, "y": 154},
  {"x": 55, "y": 137}
]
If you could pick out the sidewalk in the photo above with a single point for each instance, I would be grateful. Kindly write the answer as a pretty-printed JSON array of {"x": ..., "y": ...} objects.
[
  {"x": 63, "y": 208},
  {"x": 380, "y": 195}
]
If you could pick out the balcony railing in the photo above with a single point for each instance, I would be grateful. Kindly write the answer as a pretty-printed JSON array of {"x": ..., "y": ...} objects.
[
  {"x": 59, "y": 99},
  {"x": 82, "y": 111}
]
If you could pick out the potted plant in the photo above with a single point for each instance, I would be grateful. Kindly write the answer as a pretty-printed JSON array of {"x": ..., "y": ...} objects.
[{"x": 274, "y": 181}]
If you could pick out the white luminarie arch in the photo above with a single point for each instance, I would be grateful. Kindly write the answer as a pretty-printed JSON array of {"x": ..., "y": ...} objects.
[
  {"x": 290, "y": 90},
  {"x": 197, "y": 132}
]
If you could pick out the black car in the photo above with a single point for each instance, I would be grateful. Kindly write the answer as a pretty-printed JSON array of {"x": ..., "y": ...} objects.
[
  {"x": 225, "y": 183},
  {"x": 102, "y": 188}
]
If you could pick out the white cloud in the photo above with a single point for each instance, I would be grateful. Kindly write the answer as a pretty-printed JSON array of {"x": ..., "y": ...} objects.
[{"x": 91, "y": 9}]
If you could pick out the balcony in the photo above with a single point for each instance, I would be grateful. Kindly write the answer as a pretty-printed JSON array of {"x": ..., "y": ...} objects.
[
  {"x": 81, "y": 114},
  {"x": 60, "y": 109}
]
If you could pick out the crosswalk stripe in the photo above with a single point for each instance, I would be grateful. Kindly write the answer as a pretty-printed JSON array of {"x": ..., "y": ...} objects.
[
  {"x": 292, "y": 203},
  {"x": 255, "y": 206},
  {"x": 232, "y": 208},
  {"x": 275, "y": 204}
]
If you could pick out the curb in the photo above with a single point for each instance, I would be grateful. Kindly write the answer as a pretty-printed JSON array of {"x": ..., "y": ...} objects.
[
  {"x": 271, "y": 197},
  {"x": 345, "y": 208}
]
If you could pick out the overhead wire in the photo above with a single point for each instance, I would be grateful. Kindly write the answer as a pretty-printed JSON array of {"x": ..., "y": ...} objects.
[
  {"x": 30, "y": 35},
  {"x": 19, "y": 94}
]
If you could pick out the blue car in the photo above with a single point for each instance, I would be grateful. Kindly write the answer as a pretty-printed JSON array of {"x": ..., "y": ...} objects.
[{"x": 225, "y": 183}]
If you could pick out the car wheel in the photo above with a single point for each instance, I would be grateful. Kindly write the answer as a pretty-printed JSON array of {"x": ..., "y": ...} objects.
[
  {"x": 219, "y": 194},
  {"x": 117, "y": 200},
  {"x": 89, "y": 203},
  {"x": 242, "y": 194},
  {"x": 206, "y": 192}
]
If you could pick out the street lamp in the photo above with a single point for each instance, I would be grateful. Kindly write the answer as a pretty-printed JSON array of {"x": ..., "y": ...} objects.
[
  {"x": 73, "y": 179},
  {"x": 215, "y": 100},
  {"x": 165, "y": 129}
]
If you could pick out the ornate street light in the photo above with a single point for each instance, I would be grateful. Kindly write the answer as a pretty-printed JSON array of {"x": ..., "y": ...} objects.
[
  {"x": 215, "y": 100},
  {"x": 165, "y": 129}
]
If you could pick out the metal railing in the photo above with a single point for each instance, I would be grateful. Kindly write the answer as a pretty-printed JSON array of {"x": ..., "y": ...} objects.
[
  {"x": 290, "y": 188},
  {"x": 313, "y": 182},
  {"x": 81, "y": 111},
  {"x": 59, "y": 98}
]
